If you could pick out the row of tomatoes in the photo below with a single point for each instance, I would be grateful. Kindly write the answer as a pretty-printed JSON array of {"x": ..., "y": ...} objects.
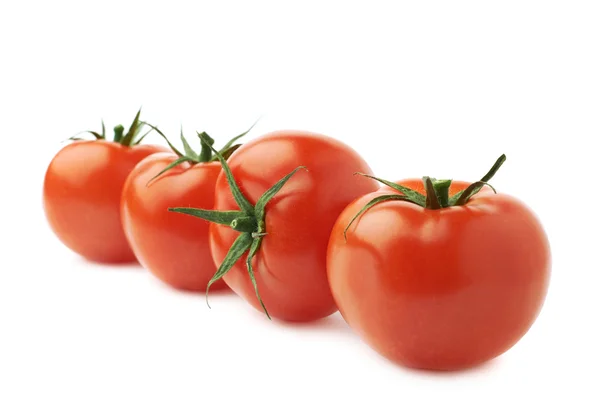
[{"x": 433, "y": 274}]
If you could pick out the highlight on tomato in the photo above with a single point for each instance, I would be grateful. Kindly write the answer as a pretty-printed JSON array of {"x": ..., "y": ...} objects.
[
  {"x": 276, "y": 201},
  {"x": 82, "y": 191},
  {"x": 439, "y": 274},
  {"x": 173, "y": 247}
]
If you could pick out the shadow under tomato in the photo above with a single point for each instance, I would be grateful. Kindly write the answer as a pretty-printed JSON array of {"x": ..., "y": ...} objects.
[
  {"x": 129, "y": 263},
  {"x": 482, "y": 368},
  {"x": 332, "y": 323},
  {"x": 201, "y": 294}
]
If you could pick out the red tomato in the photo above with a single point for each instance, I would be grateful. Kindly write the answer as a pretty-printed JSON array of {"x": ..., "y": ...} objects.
[
  {"x": 82, "y": 192},
  {"x": 171, "y": 246},
  {"x": 439, "y": 289},
  {"x": 288, "y": 260}
]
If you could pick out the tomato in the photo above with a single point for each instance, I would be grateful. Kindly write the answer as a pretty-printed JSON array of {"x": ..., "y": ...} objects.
[
  {"x": 82, "y": 192},
  {"x": 440, "y": 289},
  {"x": 173, "y": 247},
  {"x": 271, "y": 240}
]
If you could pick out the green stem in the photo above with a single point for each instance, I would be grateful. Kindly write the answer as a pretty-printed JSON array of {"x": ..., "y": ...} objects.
[
  {"x": 244, "y": 224},
  {"x": 118, "y": 130},
  {"x": 442, "y": 190}
]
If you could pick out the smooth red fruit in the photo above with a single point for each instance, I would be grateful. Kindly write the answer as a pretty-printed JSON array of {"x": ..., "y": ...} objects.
[
  {"x": 440, "y": 289},
  {"x": 81, "y": 197},
  {"x": 173, "y": 247},
  {"x": 290, "y": 266}
]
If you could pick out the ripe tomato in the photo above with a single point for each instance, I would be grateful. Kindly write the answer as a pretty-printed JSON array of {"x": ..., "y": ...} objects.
[
  {"x": 82, "y": 192},
  {"x": 439, "y": 289},
  {"x": 280, "y": 222},
  {"x": 173, "y": 247}
]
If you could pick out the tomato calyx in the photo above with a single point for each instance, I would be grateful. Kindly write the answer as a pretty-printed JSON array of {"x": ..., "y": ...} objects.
[
  {"x": 437, "y": 192},
  {"x": 205, "y": 155},
  {"x": 130, "y": 138},
  {"x": 249, "y": 220}
]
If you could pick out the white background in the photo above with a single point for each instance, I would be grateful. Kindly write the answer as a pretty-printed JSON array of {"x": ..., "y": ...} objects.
[{"x": 418, "y": 88}]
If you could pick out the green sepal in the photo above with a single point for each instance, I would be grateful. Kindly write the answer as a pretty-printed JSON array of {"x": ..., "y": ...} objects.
[
  {"x": 437, "y": 192},
  {"x": 499, "y": 162},
  {"x": 373, "y": 202},
  {"x": 412, "y": 195},
  {"x": 228, "y": 152},
  {"x": 189, "y": 152},
  {"x": 469, "y": 192},
  {"x": 206, "y": 154},
  {"x": 173, "y": 164},
  {"x": 270, "y": 193},
  {"x": 461, "y": 197},
  {"x": 237, "y": 250},
  {"x": 190, "y": 155},
  {"x": 133, "y": 131},
  {"x": 246, "y": 221},
  {"x": 130, "y": 138},
  {"x": 97, "y": 136},
  {"x": 160, "y": 133},
  {"x": 215, "y": 216},
  {"x": 142, "y": 137},
  {"x": 253, "y": 250},
  {"x": 239, "y": 197},
  {"x": 232, "y": 141}
]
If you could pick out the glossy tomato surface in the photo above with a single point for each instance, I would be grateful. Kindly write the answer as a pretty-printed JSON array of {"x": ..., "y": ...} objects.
[
  {"x": 290, "y": 266},
  {"x": 173, "y": 247},
  {"x": 440, "y": 289},
  {"x": 82, "y": 193}
]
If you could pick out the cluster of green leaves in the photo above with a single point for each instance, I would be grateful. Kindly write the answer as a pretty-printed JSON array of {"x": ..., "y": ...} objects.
[
  {"x": 436, "y": 196},
  {"x": 206, "y": 152},
  {"x": 132, "y": 137},
  {"x": 249, "y": 220}
]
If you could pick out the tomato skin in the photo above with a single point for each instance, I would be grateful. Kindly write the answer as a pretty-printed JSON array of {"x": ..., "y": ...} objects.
[
  {"x": 81, "y": 197},
  {"x": 173, "y": 247},
  {"x": 440, "y": 289},
  {"x": 290, "y": 267}
]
